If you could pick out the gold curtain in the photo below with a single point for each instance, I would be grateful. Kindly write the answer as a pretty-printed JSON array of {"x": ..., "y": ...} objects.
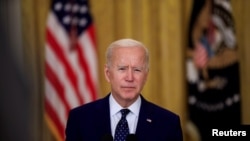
[{"x": 160, "y": 24}]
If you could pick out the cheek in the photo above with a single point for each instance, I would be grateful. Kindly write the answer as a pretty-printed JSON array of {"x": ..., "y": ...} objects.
[
  {"x": 114, "y": 78},
  {"x": 144, "y": 79}
]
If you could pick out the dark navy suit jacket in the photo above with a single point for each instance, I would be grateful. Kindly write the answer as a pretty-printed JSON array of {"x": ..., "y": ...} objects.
[{"x": 91, "y": 122}]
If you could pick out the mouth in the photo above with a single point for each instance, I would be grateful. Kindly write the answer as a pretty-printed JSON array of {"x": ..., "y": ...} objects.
[{"x": 128, "y": 87}]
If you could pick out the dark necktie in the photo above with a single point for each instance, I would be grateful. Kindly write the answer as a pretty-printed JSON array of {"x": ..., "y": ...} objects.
[{"x": 122, "y": 129}]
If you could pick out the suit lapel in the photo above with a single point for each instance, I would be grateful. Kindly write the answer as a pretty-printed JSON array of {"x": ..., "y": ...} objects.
[
  {"x": 145, "y": 120},
  {"x": 104, "y": 116}
]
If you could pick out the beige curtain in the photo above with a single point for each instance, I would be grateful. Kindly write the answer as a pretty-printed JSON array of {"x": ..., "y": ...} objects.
[{"x": 160, "y": 24}]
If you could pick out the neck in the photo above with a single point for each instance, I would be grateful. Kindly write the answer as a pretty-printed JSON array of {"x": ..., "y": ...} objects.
[{"x": 125, "y": 103}]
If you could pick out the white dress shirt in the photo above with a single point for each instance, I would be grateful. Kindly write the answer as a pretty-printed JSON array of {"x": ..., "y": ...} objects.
[{"x": 132, "y": 117}]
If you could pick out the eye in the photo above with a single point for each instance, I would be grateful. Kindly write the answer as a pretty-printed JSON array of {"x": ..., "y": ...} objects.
[
  {"x": 137, "y": 70},
  {"x": 121, "y": 68}
]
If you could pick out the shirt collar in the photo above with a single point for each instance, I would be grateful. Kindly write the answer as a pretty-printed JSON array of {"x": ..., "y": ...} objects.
[{"x": 115, "y": 107}]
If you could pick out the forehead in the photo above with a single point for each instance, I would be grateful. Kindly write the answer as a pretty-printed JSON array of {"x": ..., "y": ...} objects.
[
  {"x": 130, "y": 49},
  {"x": 128, "y": 54}
]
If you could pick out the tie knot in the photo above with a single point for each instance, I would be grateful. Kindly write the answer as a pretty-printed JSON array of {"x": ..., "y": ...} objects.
[{"x": 124, "y": 112}]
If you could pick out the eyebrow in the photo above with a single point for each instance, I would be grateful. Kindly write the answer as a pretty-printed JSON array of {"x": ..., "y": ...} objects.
[{"x": 136, "y": 67}]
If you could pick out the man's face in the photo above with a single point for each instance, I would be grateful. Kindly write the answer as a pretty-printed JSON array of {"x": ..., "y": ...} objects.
[{"x": 127, "y": 73}]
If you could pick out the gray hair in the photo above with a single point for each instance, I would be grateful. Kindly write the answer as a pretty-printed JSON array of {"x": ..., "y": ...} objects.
[{"x": 126, "y": 43}]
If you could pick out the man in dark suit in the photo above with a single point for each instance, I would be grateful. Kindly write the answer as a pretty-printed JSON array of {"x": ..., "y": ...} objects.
[{"x": 126, "y": 70}]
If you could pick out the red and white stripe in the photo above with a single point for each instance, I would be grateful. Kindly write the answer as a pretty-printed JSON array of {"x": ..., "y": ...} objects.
[
  {"x": 70, "y": 75},
  {"x": 200, "y": 56}
]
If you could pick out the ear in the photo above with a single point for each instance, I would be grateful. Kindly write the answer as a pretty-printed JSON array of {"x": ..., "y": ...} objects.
[{"x": 106, "y": 72}]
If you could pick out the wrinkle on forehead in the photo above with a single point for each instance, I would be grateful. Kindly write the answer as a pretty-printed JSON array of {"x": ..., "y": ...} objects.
[{"x": 133, "y": 57}]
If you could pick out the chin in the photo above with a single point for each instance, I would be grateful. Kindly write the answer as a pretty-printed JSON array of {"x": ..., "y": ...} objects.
[{"x": 130, "y": 96}]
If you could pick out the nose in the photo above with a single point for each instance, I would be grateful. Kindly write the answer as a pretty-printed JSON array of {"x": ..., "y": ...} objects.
[{"x": 130, "y": 75}]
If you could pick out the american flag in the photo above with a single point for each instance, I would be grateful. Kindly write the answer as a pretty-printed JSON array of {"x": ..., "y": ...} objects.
[
  {"x": 70, "y": 62},
  {"x": 214, "y": 96}
]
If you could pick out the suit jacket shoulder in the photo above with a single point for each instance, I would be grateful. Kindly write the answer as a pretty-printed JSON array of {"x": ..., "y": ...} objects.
[
  {"x": 157, "y": 123},
  {"x": 89, "y": 122}
]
